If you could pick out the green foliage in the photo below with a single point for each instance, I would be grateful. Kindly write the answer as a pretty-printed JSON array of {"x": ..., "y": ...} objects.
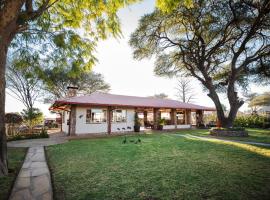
[
  {"x": 212, "y": 41},
  {"x": 260, "y": 100},
  {"x": 170, "y": 5},
  {"x": 252, "y": 121},
  {"x": 43, "y": 134},
  {"x": 15, "y": 160},
  {"x": 66, "y": 33},
  {"x": 13, "y": 118},
  {"x": 56, "y": 81},
  {"x": 162, "y": 122},
  {"x": 22, "y": 79},
  {"x": 32, "y": 117}
]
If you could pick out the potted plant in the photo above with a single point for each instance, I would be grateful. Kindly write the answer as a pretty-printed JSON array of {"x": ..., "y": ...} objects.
[
  {"x": 161, "y": 123},
  {"x": 137, "y": 123}
]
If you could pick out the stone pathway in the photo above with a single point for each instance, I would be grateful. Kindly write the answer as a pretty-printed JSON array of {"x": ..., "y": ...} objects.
[
  {"x": 34, "y": 180},
  {"x": 210, "y": 138},
  {"x": 58, "y": 139}
]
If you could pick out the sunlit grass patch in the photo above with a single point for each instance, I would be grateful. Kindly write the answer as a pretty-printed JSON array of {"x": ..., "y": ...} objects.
[{"x": 162, "y": 166}]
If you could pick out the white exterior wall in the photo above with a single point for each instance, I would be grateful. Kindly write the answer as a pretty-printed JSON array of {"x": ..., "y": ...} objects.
[
  {"x": 183, "y": 126},
  {"x": 84, "y": 128},
  {"x": 64, "y": 123},
  {"x": 87, "y": 128},
  {"x": 123, "y": 126},
  {"x": 166, "y": 127}
]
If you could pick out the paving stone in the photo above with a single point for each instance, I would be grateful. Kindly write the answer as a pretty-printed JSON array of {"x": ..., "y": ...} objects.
[
  {"x": 26, "y": 164},
  {"x": 38, "y": 157},
  {"x": 24, "y": 173},
  {"x": 38, "y": 164},
  {"x": 39, "y": 171},
  {"x": 41, "y": 184},
  {"x": 22, "y": 195},
  {"x": 23, "y": 182},
  {"x": 46, "y": 196}
]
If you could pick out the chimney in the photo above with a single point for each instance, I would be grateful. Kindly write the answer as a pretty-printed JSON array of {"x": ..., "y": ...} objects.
[{"x": 72, "y": 91}]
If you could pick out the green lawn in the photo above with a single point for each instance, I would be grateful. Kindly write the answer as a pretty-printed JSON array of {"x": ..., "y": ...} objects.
[
  {"x": 255, "y": 135},
  {"x": 15, "y": 160},
  {"x": 162, "y": 166}
]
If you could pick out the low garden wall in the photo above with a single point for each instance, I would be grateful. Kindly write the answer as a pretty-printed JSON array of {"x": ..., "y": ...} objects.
[{"x": 229, "y": 133}]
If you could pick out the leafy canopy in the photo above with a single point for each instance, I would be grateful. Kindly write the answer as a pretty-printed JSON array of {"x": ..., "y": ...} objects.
[
  {"x": 57, "y": 80},
  {"x": 224, "y": 44},
  {"x": 22, "y": 81},
  {"x": 260, "y": 100},
  {"x": 65, "y": 32}
]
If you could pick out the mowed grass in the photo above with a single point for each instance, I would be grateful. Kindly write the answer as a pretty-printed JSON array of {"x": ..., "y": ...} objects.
[
  {"x": 162, "y": 166},
  {"x": 255, "y": 135},
  {"x": 15, "y": 160}
]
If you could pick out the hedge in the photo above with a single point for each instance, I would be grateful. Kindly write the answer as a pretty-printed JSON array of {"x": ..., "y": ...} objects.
[
  {"x": 252, "y": 121},
  {"x": 43, "y": 134}
]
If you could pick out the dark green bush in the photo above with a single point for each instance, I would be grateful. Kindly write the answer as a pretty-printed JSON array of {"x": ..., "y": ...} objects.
[
  {"x": 251, "y": 121},
  {"x": 43, "y": 134}
]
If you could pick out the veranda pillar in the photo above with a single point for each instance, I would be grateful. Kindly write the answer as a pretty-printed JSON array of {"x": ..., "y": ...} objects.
[
  {"x": 173, "y": 117},
  {"x": 156, "y": 118},
  {"x": 145, "y": 117},
  {"x": 109, "y": 120},
  {"x": 72, "y": 120},
  {"x": 187, "y": 116}
]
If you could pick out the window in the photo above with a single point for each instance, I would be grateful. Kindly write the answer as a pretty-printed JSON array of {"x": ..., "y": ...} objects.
[
  {"x": 165, "y": 115},
  {"x": 180, "y": 116},
  {"x": 96, "y": 115},
  {"x": 119, "y": 116}
]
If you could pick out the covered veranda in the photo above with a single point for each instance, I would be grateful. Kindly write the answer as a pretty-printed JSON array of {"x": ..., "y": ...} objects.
[{"x": 173, "y": 118}]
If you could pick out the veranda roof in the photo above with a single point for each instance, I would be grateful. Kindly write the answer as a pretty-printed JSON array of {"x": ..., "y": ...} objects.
[{"x": 106, "y": 99}]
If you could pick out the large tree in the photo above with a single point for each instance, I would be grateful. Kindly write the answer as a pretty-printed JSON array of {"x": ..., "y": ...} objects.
[
  {"x": 56, "y": 83},
  {"x": 22, "y": 83},
  {"x": 224, "y": 44},
  {"x": 160, "y": 96},
  {"x": 185, "y": 91},
  {"x": 52, "y": 30}
]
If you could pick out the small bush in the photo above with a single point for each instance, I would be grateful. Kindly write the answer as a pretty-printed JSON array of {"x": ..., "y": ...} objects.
[
  {"x": 43, "y": 134},
  {"x": 251, "y": 121}
]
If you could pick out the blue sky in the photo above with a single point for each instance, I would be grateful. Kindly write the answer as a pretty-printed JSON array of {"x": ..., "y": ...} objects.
[{"x": 126, "y": 75}]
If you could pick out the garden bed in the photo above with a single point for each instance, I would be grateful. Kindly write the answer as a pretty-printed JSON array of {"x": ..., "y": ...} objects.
[
  {"x": 238, "y": 132},
  {"x": 28, "y": 136}
]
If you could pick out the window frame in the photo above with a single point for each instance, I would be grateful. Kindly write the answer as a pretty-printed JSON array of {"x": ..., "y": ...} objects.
[
  {"x": 103, "y": 121},
  {"x": 114, "y": 111}
]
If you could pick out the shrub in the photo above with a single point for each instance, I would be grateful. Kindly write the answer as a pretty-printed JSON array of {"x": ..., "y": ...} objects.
[
  {"x": 43, "y": 134},
  {"x": 251, "y": 121}
]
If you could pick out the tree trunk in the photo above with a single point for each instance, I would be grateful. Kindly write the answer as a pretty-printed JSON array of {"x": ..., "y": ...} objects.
[
  {"x": 226, "y": 122},
  {"x": 9, "y": 27},
  {"x": 3, "y": 142}
]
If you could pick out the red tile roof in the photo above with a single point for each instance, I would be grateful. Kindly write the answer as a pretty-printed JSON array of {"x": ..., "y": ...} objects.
[{"x": 105, "y": 99}]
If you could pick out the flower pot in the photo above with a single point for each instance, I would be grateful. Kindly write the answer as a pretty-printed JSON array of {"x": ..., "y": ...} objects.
[
  {"x": 137, "y": 128},
  {"x": 160, "y": 127}
]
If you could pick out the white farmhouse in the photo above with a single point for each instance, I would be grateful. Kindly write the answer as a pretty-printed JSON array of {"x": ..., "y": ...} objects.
[{"x": 109, "y": 113}]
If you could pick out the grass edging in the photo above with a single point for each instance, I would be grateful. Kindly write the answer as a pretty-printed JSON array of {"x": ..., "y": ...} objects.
[{"x": 17, "y": 173}]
